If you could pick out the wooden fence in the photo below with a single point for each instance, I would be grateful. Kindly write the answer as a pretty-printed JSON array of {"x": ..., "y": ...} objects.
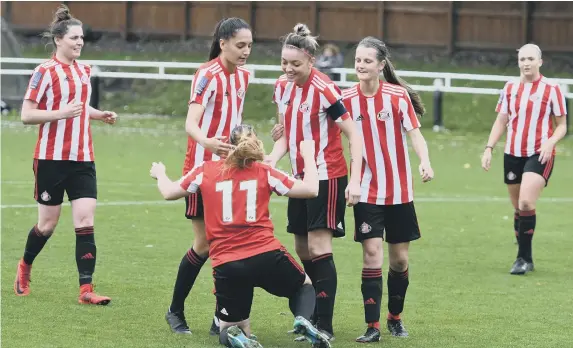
[{"x": 448, "y": 25}]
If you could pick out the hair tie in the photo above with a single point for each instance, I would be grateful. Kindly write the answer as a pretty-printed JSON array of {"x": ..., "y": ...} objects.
[{"x": 300, "y": 49}]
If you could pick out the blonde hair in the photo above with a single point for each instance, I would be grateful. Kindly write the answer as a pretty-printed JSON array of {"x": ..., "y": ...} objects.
[{"x": 248, "y": 148}]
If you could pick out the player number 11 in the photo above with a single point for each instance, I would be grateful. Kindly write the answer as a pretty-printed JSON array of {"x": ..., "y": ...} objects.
[{"x": 227, "y": 188}]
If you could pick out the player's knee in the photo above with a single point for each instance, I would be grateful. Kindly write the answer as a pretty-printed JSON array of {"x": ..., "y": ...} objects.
[
  {"x": 316, "y": 250},
  {"x": 320, "y": 242},
  {"x": 84, "y": 220},
  {"x": 400, "y": 264},
  {"x": 47, "y": 226},
  {"x": 201, "y": 247},
  {"x": 372, "y": 252},
  {"x": 526, "y": 204}
]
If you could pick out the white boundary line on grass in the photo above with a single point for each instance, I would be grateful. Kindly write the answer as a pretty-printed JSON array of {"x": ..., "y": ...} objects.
[{"x": 284, "y": 201}]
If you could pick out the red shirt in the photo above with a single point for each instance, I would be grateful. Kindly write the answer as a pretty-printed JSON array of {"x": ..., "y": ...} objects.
[
  {"x": 53, "y": 86},
  {"x": 530, "y": 107},
  {"x": 222, "y": 94},
  {"x": 308, "y": 116},
  {"x": 383, "y": 121},
  {"x": 236, "y": 205}
]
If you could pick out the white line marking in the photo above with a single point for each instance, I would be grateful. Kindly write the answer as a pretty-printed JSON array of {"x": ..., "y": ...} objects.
[
  {"x": 285, "y": 201},
  {"x": 173, "y": 130}
]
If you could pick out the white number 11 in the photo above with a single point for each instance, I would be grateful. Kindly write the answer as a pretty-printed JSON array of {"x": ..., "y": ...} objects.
[{"x": 227, "y": 188}]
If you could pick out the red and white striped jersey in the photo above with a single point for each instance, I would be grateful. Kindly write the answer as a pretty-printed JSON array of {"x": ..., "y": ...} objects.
[
  {"x": 311, "y": 112},
  {"x": 383, "y": 121},
  {"x": 53, "y": 86},
  {"x": 222, "y": 94},
  {"x": 530, "y": 107},
  {"x": 238, "y": 225}
]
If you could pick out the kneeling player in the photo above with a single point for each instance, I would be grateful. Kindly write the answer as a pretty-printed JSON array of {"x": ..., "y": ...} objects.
[{"x": 242, "y": 247}]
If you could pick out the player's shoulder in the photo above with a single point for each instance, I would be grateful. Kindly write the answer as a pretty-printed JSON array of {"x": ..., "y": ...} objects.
[
  {"x": 244, "y": 70},
  {"x": 393, "y": 89},
  {"x": 320, "y": 80},
  {"x": 282, "y": 80},
  {"x": 209, "y": 69},
  {"x": 48, "y": 65},
  {"x": 349, "y": 93},
  {"x": 268, "y": 169},
  {"x": 549, "y": 82},
  {"x": 510, "y": 82},
  {"x": 83, "y": 65}
]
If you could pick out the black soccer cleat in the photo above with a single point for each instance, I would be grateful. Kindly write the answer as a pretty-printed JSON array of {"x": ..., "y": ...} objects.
[
  {"x": 520, "y": 267},
  {"x": 177, "y": 323},
  {"x": 215, "y": 330},
  {"x": 396, "y": 328},
  {"x": 372, "y": 335}
]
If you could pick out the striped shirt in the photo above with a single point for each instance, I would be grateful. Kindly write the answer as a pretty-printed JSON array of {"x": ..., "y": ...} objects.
[
  {"x": 222, "y": 95},
  {"x": 530, "y": 107},
  {"x": 311, "y": 112},
  {"x": 53, "y": 86},
  {"x": 383, "y": 121},
  {"x": 238, "y": 225}
]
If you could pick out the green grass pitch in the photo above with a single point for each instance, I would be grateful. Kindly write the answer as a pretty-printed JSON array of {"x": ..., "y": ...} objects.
[{"x": 460, "y": 294}]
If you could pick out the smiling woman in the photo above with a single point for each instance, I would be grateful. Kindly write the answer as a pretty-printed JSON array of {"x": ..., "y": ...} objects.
[{"x": 57, "y": 99}]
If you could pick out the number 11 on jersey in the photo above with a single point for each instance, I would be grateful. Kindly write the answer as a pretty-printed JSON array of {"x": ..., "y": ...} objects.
[{"x": 226, "y": 187}]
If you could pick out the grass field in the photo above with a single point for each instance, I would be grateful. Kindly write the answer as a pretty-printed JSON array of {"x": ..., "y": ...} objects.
[{"x": 460, "y": 295}]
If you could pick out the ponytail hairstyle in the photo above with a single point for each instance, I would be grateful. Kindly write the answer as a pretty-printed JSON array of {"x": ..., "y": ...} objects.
[
  {"x": 63, "y": 19},
  {"x": 225, "y": 29},
  {"x": 301, "y": 39},
  {"x": 382, "y": 54},
  {"x": 248, "y": 148}
]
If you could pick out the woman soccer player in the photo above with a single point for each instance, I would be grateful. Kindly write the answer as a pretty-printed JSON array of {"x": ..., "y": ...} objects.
[
  {"x": 243, "y": 250},
  {"x": 384, "y": 113},
  {"x": 57, "y": 99},
  {"x": 310, "y": 108},
  {"x": 528, "y": 108},
  {"x": 216, "y": 106}
]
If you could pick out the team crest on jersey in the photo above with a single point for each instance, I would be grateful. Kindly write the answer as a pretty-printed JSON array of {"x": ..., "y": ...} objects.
[
  {"x": 534, "y": 97},
  {"x": 241, "y": 93},
  {"x": 383, "y": 115},
  {"x": 365, "y": 228},
  {"x": 85, "y": 79},
  {"x": 45, "y": 196},
  {"x": 511, "y": 176},
  {"x": 36, "y": 78},
  {"x": 304, "y": 107}
]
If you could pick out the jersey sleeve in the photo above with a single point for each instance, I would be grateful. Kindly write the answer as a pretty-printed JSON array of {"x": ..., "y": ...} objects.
[
  {"x": 558, "y": 104},
  {"x": 407, "y": 113},
  {"x": 203, "y": 87},
  {"x": 278, "y": 92},
  {"x": 333, "y": 103},
  {"x": 191, "y": 181},
  {"x": 40, "y": 81},
  {"x": 502, "y": 103},
  {"x": 279, "y": 182}
]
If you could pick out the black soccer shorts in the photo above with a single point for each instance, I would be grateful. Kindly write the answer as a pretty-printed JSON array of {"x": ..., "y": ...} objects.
[
  {"x": 52, "y": 178},
  {"x": 275, "y": 271},
  {"x": 399, "y": 221},
  {"x": 514, "y": 167},
  {"x": 324, "y": 211}
]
